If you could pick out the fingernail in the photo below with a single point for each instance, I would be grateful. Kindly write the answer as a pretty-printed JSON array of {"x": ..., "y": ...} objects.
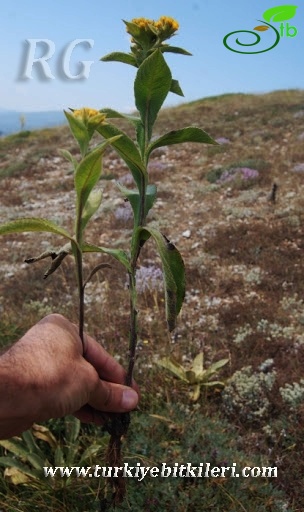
[{"x": 129, "y": 399}]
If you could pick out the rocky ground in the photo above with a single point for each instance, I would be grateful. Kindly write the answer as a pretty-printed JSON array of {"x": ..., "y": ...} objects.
[{"x": 235, "y": 211}]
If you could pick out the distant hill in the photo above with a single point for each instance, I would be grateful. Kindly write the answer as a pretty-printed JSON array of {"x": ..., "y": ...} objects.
[{"x": 10, "y": 120}]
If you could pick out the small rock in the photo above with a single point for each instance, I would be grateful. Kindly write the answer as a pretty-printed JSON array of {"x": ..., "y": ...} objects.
[
  {"x": 298, "y": 114},
  {"x": 223, "y": 140},
  {"x": 298, "y": 167},
  {"x": 187, "y": 233}
]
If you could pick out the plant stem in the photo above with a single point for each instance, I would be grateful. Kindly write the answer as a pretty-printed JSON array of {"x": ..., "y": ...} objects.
[
  {"x": 79, "y": 273},
  {"x": 133, "y": 325},
  {"x": 132, "y": 284}
]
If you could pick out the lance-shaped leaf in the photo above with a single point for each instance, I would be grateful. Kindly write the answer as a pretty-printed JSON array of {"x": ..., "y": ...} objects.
[
  {"x": 173, "y": 366},
  {"x": 174, "y": 49},
  {"x": 134, "y": 197},
  {"x": 24, "y": 225},
  {"x": 125, "y": 58},
  {"x": 79, "y": 131},
  {"x": 189, "y": 134},
  {"x": 176, "y": 88},
  {"x": 152, "y": 84},
  {"x": 15, "y": 446},
  {"x": 113, "y": 114},
  {"x": 68, "y": 156},
  {"x": 173, "y": 271},
  {"x": 118, "y": 254},
  {"x": 91, "y": 206},
  {"x": 11, "y": 462},
  {"x": 88, "y": 172},
  {"x": 126, "y": 149}
]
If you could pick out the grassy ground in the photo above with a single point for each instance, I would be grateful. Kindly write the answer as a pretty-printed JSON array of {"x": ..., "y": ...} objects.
[{"x": 241, "y": 236}]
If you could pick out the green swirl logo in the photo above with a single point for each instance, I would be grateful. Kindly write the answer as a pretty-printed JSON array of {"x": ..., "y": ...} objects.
[{"x": 280, "y": 13}]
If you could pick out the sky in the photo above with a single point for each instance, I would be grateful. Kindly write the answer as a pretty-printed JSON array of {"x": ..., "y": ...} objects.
[{"x": 211, "y": 70}]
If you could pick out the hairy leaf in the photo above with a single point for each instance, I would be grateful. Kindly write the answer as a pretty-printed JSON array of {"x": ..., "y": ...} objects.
[
  {"x": 173, "y": 366},
  {"x": 134, "y": 197},
  {"x": 118, "y": 254},
  {"x": 173, "y": 271},
  {"x": 68, "y": 156},
  {"x": 189, "y": 134},
  {"x": 88, "y": 172},
  {"x": 91, "y": 206},
  {"x": 174, "y": 49},
  {"x": 152, "y": 84},
  {"x": 79, "y": 132},
  {"x": 175, "y": 88},
  {"x": 125, "y": 58},
  {"x": 126, "y": 148},
  {"x": 24, "y": 225}
]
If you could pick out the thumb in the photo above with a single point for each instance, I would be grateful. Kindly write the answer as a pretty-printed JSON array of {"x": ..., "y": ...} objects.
[{"x": 111, "y": 397}]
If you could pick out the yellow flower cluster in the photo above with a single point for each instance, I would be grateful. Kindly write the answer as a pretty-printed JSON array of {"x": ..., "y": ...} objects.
[
  {"x": 165, "y": 23},
  {"x": 89, "y": 115},
  {"x": 142, "y": 22},
  {"x": 85, "y": 113}
]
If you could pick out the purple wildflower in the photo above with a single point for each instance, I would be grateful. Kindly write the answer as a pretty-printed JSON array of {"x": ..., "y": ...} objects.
[
  {"x": 243, "y": 173},
  {"x": 149, "y": 279}
]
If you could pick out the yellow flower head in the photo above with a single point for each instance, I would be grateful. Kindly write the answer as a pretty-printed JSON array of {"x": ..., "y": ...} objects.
[
  {"x": 149, "y": 33},
  {"x": 166, "y": 24},
  {"x": 89, "y": 116}
]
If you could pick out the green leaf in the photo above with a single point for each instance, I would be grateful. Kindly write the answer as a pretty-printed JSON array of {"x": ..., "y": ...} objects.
[
  {"x": 79, "y": 132},
  {"x": 189, "y": 134},
  {"x": 58, "y": 457},
  {"x": 30, "y": 442},
  {"x": 91, "y": 206},
  {"x": 113, "y": 114},
  {"x": 10, "y": 462},
  {"x": 72, "y": 429},
  {"x": 191, "y": 376},
  {"x": 194, "y": 396},
  {"x": 88, "y": 172},
  {"x": 68, "y": 156},
  {"x": 92, "y": 451},
  {"x": 213, "y": 383},
  {"x": 15, "y": 446},
  {"x": 24, "y": 225},
  {"x": 118, "y": 254},
  {"x": 173, "y": 271},
  {"x": 125, "y": 58},
  {"x": 280, "y": 13},
  {"x": 175, "y": 88},
  {"x": 134, "y": 197},
  {"x": 126, "y": 149},
  {"x": 213, "y": 368},
  {"x": 152, "y": 84},
  {"x": 174, "y": 49},
  {"x": 198, "y": 365},
  {"x": 173, "y": 366}
]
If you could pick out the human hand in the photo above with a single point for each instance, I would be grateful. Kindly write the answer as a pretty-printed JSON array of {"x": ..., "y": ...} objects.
[{"x": 45, "y": 375}]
